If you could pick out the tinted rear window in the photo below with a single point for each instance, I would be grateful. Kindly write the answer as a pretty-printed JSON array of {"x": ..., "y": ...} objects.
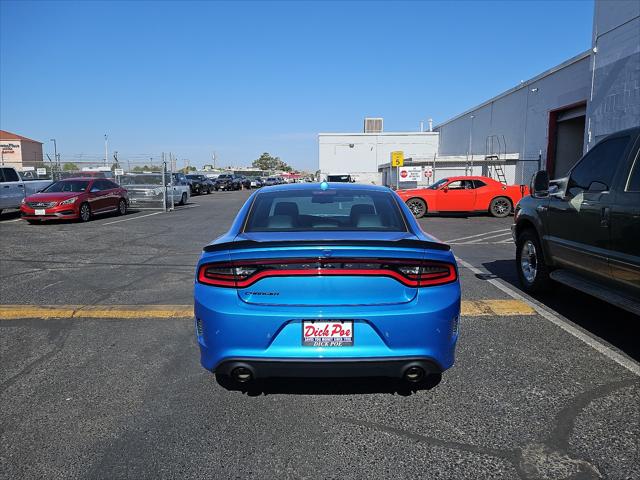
[{"x": 333, "y": 209}]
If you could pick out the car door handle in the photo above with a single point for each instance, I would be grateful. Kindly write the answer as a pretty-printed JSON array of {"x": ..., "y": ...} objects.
[{"x": 605, "y": 214}]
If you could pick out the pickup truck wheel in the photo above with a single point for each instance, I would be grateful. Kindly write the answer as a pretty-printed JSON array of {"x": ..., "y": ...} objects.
[
  {"x": 85, "y": 212},
  {"x": 500, "y": 207},
  {"x": 417, "y": 206},
  {"x": 533, "y": 272},
  {"x": 183, "y": 198}
]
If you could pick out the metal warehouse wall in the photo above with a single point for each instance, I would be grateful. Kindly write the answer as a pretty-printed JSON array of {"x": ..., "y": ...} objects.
[
  {"x": 520, "y": 114},
  {"x": 615, "y": 104},
  {"x": 360, "y": 154}
]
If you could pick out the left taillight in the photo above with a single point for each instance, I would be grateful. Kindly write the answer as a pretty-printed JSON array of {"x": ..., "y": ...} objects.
[{"x": 223, "y": 274}]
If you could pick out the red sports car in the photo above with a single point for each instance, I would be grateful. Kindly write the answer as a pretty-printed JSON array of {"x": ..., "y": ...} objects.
[
  {"x": 464, "y": 194},
  {"x": 75, "y": 198}
]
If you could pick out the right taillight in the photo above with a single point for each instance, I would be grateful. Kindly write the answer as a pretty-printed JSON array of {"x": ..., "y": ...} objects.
[{"x": 436, "y": 273}]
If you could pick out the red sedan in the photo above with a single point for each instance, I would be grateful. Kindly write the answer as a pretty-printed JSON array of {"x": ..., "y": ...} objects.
[
  {"x": 75, "y": 199},
  {"x": 464, "y": 194}
]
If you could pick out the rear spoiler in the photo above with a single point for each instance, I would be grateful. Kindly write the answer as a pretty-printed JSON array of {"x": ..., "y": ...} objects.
[{"x": 407, "y": 243}]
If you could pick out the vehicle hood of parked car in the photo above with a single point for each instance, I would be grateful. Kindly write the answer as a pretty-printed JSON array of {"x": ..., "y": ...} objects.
[{"x": 51, "y": 196}]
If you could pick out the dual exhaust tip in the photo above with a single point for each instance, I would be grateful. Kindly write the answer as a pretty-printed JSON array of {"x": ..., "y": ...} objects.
[{"x": 412, "y": 374}]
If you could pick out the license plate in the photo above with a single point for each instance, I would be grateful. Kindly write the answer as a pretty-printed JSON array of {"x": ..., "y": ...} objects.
[
  {"x": 321, "y": 333},
  {"x": 40, "y": 211}
]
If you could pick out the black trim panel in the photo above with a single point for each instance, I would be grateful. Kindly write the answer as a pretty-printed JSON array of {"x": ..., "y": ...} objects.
[{"x": 343, "y": 367}]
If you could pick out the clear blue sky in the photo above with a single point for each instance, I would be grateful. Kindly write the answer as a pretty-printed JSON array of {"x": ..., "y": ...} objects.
[{"x": 240, "y": 78}]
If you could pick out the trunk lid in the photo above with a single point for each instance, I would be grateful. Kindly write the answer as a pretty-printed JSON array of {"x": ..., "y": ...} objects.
[{"x": 309, "y": 269}]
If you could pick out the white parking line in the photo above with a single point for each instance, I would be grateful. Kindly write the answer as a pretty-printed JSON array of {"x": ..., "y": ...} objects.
[
  {"x": 132, "y": 218},
  {"x": 565, "y": 325},
  {"x": 10, "y": 221},
  {"x": 486, "y": 238},
  {"x": 478, "y": 235}
]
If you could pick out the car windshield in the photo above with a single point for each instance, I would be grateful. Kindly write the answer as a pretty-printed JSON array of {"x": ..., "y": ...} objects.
[
  {"x": 317, "y": 210},
  {"x": 224, "y": 177},
  {"x": 438, "y": 184},
  {"x": 77, "y": 186},
  {"x": 141, "y": 180}
]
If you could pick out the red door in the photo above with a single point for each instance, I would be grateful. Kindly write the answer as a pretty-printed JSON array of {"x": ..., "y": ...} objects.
[{"x": 457, "y": 196}]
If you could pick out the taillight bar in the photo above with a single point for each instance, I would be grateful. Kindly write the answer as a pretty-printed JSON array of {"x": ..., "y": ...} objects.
[{"x": 409, "y": 272}]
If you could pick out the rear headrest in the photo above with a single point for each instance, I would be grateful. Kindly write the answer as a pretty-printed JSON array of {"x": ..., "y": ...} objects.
[
  {"x": 286, "y": 208},
  {"x": 369, "y": 221},
  {"x": 280, "y": 221},
  {"x": 361, "y": 209}
]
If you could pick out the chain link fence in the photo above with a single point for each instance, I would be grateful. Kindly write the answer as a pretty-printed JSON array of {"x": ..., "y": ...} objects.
[{"x": 153, "y": 183}]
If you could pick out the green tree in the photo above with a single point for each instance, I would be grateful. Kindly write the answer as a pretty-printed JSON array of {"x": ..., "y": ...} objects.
[
  {"x": 267, "y": 162},
  {"x": 70, "y": 167}
]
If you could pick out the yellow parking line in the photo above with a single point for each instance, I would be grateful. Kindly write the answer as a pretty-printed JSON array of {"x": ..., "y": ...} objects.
[
  {"x": 470, "y": 308},
  {"x": 44, "y": 312},
  {"x": 500, "y": 308}
]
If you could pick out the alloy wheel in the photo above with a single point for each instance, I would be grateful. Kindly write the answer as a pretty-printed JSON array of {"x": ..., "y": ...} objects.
[
  {"x": 417, "y": 207},
  {"x": 501, "y": 207},
  {"x": 85, "y": 212},
  {"x": 529, "y": 261}
]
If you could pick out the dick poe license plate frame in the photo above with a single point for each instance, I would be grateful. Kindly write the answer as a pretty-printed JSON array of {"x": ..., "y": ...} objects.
[{"x": 333, "y": 340}]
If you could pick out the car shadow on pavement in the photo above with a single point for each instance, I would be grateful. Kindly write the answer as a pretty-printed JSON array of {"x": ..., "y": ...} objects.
[
  {"x": 614, "y": 325},
  {"x": 329, "y": 386}
]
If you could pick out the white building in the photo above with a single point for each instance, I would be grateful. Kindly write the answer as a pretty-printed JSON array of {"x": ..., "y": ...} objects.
[
  {"x": 361, "y": 154},
  {"x": 550, "y": 120}
]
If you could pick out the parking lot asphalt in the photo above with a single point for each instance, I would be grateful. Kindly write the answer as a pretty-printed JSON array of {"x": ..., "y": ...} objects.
[{"x": 548, "y": 395}]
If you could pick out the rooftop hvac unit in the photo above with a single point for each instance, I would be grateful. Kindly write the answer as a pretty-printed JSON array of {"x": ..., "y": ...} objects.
[{"x": 373, "y": 125}]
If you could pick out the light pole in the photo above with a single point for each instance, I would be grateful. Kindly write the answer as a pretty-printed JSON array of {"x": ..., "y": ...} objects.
[
  {"x": 106, "y": 149},
  {"x": 55, "y": 153}
]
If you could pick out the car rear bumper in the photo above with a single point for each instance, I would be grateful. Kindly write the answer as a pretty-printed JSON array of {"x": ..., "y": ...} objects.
[
  {"x": 372, "y": 367},
  {"x": 269, "y": 338}
]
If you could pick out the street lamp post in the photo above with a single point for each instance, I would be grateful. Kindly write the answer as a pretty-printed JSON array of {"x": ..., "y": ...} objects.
[
  {"x": 106, "y": 149},
  {"x": 55, "y": 153}
]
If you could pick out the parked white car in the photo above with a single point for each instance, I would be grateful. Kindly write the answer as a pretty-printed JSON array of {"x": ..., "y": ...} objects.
[
  {"x": 146, "y": 190},
  {"x": 13, "y": 189}
]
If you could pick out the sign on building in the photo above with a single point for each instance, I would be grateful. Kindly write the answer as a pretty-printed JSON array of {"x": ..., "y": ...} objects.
[
  {"x": 397, "y": 158},
  {"x": 410, "y": 174}
]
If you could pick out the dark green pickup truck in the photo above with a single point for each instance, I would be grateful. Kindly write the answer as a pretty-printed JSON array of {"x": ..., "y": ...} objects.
[{"x": 584, "y": 230}]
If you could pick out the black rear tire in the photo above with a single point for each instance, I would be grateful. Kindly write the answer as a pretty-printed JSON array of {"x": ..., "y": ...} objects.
[
  {"x": 533, "y": 271},
  {"x": 500, "y": 207},
  {"x": 417, "y": 206},
  {"x": 183, "y": 198}
]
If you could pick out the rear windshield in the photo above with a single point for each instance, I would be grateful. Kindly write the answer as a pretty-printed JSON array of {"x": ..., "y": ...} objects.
[
  {"x": 333, "y": 209},
  {"x": 76, "y": 186}
]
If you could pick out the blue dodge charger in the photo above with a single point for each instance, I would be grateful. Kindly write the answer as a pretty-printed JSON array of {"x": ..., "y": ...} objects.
[{"x": 326, "y": 280}]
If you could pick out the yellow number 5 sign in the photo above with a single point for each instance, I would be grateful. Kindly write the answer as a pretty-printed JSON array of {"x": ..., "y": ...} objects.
[{"x": 397, "y": 158}]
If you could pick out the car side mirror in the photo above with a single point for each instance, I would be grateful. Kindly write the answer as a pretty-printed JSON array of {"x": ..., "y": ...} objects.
[
  {"x": 539, "y": 186},
  {"x": 597, "y": 187}
]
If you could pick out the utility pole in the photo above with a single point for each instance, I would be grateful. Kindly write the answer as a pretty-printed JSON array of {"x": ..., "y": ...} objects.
[{"x": 106, "y": 149}]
